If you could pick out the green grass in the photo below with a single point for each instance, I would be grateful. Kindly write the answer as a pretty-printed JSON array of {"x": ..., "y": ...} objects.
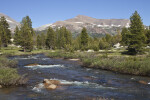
[{"x": 12, "y": 51}]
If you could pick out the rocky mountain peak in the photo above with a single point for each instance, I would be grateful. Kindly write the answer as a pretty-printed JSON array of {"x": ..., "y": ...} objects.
[{"x": 93, "y": 25}]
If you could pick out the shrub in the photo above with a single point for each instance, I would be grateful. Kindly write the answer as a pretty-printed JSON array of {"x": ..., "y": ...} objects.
[{"x": 9, "y": 75}]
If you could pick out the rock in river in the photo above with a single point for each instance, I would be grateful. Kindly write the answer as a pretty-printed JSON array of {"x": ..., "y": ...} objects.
[
  {"x": 143, "y": 82},
  {"x": 51, "y": 84},
  {"x": 48, "y": 81}
]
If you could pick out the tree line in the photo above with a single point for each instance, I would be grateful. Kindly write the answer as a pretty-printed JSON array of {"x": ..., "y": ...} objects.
[{"x": 135, "y": 38}]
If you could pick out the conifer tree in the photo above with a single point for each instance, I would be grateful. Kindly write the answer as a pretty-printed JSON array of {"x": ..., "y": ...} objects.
[
  {"x": 77, "y": 43},
  {"x": 0, "y": 42},
  {"x": 26, "y": 36},
  {"x": 148, "y": 36},
  {"x": 43, "y": 39},
  {"x": 51, "y": 39},
  {"x": 39, "y": 42},
  {"x": 108, "y": 38},
  {"x": 17, "y": 36},
  {"x": 58, "y": 39},
  {"x": 5, "y": 32},
  {"x": 125, "y": 36},
  {"x": 136, "y": 37},
  {"x": 68, "y": 37},
  {"x": 103, "y": 44},
  {"x": 64, "y": 38},
  {"x": 117, "y": 37},
  {"x": 84, "y": 38}
]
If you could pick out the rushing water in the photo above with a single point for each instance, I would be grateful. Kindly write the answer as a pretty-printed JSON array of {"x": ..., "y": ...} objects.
[{"x": 81, "y": 83}]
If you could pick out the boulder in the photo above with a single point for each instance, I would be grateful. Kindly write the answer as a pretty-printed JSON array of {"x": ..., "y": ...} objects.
[
  {"x": 0, "y": 86},
  {"x": 74, "y": 59},
  {"x": 48, "y": 81},
  {"x": 52, "y": 86}
]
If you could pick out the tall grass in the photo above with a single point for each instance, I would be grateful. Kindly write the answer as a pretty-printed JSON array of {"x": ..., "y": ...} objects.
[
  {"x": 136, "y": 65},
  {"x": 128, "y": 65}
]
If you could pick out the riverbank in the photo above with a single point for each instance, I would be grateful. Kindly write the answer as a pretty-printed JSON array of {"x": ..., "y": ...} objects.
[
  {"x": 8, "y": 73},
  {"x": 134, "y": 65}
]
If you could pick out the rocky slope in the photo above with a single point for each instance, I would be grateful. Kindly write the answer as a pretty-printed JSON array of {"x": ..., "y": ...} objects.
[
  {"x": 12, "y": 23},
  {"x": 93, "y": 25}
]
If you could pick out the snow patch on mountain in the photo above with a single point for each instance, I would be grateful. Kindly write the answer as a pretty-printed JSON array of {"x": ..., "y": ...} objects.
[
  {"x": 79, "y": 22},
  {"x": 9, "y": 21},
  {"x": 43, "y": 27}
]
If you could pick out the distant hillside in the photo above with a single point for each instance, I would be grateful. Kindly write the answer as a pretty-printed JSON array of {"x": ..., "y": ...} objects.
[{"x": 94, "y": 26}]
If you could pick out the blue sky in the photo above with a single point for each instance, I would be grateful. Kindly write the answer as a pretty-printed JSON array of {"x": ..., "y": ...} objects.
[{"x": 48, "y": 11}]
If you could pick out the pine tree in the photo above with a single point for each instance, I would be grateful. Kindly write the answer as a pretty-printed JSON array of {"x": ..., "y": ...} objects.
[
  {"x": 125, "y": 36},
  {"x": 103, "y": 44},
  {"x": 63, "y": 38},
  {"x": 108, "y": 38},
  {"x": 148, "y": 36},
  {"x": 26, "y": 36},
  {"x": 51, "y": 39},
  {"x": 5, "y": 32},
  {"x": 58, "y": 38},
  {"x": 136, "y": 37},
  {"x": 17, "y": 36},
  {"x": 68, "y": 37},
  {"x": 43, "y": 39},
  {"x": 77, "y": 43},
  {"x": 4, "y": 37},
  {"x": 29, "y": 22},
  {"x": 0, "y": 42},
  {"x": 84, "y": 38},
  {"x": 117, "y": 37},
  {"x": 39, "y": 42}
]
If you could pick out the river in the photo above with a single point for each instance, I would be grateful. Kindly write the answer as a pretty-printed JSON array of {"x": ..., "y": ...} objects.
[{"x": 81, "y": 83}]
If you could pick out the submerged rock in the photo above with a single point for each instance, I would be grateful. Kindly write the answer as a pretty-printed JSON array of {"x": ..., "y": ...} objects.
[
  {"x": 143, "y": 82},
  {"x": 46, "y": 81},
  {"x": 32, "y": 64},
  {"x": 0, "y": 86}
]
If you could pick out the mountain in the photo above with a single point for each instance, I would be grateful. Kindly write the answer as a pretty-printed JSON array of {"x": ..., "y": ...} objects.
[
  {"x": 12, "y": 23},
  {"x": 93, "y": 25}
]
